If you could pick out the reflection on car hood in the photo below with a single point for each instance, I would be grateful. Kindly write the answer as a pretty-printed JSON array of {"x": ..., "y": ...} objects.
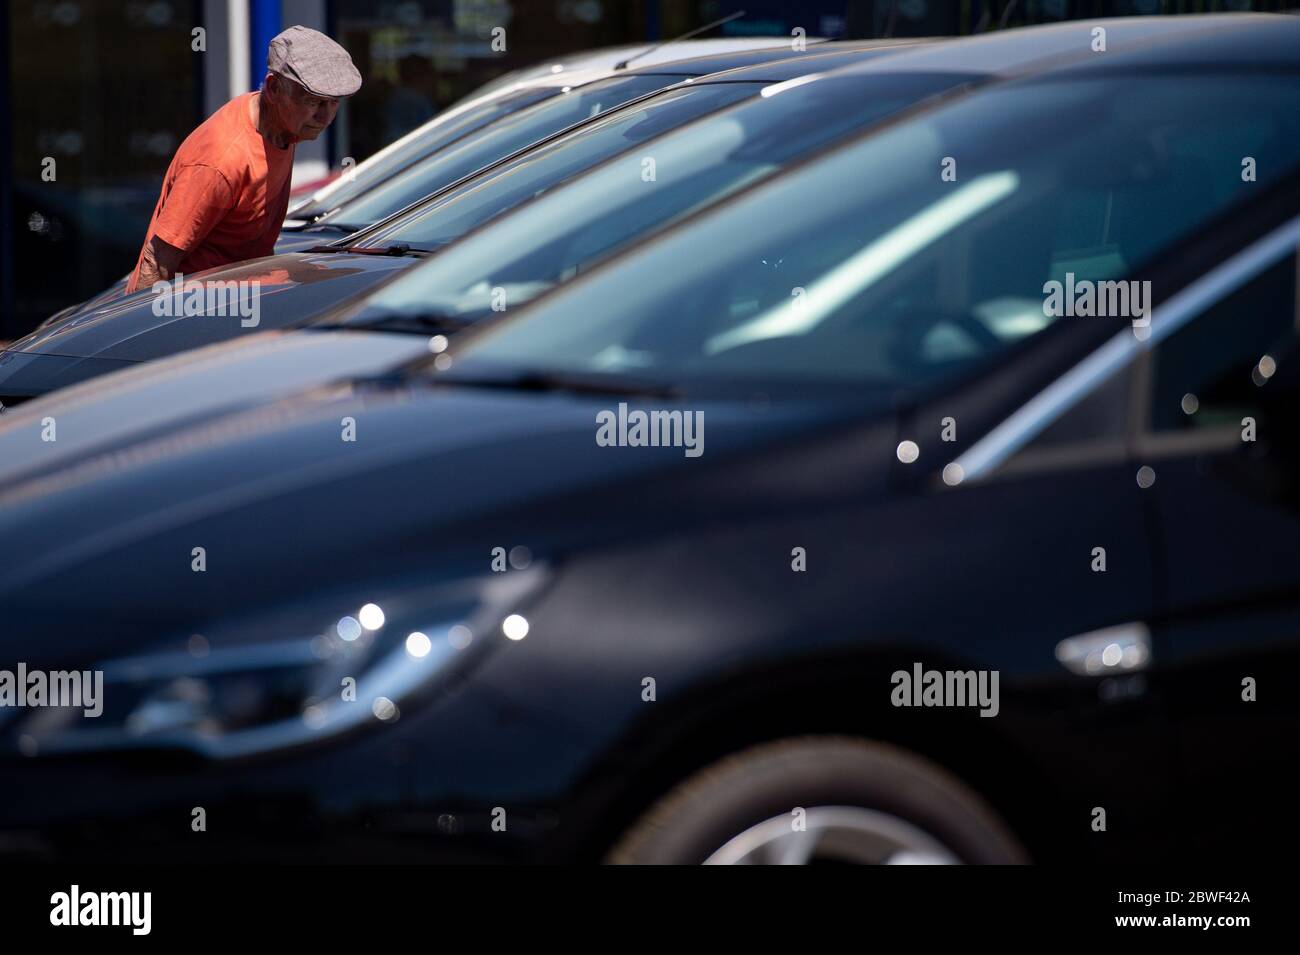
[
  {"x": 143, "y": 399},
  {"x": 24, "y": 376},
  {"x": 285, "y": 503},
  {"x": 290, "y": 289}
]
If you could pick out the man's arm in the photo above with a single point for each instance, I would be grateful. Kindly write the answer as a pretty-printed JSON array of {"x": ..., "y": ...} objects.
[
  {"x": 159, "y": 262},
  {"x": 200, "y": 197}
]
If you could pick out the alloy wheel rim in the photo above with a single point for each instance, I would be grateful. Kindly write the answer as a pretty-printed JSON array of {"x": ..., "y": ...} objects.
[{"x": 841, "y": 834}]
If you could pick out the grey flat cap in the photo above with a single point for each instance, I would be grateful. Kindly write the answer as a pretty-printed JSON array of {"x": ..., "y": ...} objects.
[{"x": 314, "y": 60}]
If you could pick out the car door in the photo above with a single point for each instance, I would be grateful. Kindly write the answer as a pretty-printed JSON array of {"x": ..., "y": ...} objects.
[
  {"x": 1217, "y": 426},
  {"x": 1173, "y": 543}
]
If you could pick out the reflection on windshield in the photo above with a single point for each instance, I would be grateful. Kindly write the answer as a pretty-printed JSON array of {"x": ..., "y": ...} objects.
[
  {"x": 432, "y": 136},
  {"x": 495, "y": 142},
  {"x": 446, "y": 218},
  {"x": 570, "y": 228},
  {"x": 871, "y": 267},
  {"x": 804, "y": 312}
]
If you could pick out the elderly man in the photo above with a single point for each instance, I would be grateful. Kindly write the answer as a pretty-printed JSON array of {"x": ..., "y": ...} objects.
[{"x": 226, "y": 191}]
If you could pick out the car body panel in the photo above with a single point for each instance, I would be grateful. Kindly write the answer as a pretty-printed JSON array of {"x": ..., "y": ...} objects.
[
  {"x": 26, "y": 374},
  {"x": 221, "y": 482},
  {"x": 289, "y": 288},
  {"x": 233, "y": 375}
]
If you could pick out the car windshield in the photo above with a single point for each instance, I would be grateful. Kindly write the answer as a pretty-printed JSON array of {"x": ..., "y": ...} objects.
[
  {"x": 432, "y": 137},
  {"x": 570, "y": 229},
  {"x": 497, "y": 141},
  {"x": 450, "y": 216},
  {"x": 911, "y": 254}
]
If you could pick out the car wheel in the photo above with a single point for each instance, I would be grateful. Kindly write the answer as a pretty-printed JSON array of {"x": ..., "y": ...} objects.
[{"x": 819, "y": 800}]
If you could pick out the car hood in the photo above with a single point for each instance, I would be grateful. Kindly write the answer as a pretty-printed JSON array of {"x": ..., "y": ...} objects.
[
  {"x": 24, "y": 376},
  {"x": 283, "y": 504},
  {"x": 290, "y": 289},
  {"x": 143, "y": 399},
  {"x": 292, "y": 239}
]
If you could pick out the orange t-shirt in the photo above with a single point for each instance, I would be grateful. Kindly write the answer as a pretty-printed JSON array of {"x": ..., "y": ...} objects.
[{"x": 225, "y": 194}]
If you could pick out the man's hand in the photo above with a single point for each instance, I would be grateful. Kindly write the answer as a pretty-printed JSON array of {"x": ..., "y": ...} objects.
[{"x": 158, "y": 263}]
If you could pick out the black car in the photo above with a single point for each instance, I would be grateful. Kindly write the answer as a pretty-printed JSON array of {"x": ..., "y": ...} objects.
[{"x": 825, "y": 527}]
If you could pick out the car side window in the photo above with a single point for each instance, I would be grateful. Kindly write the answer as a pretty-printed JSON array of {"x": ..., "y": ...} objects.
[
  {"x": 1204, "y": 378},
  {"x": 1207, "y": 374}
]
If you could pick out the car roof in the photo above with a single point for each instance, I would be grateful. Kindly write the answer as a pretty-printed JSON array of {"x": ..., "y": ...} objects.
[
  {"x": 784, "y": 68},
  {"x": 721, "y": 62},
  {"x": 1259, "y": 41},
  {"x": 568, "y": 61},
  {"x": 677, "y": 53},
  {"x": 826, "y": 56},
  {"x": 677, "y": 50},
  {"x": 1028, "y": 49},
  {"x": 589, "y": 67}
]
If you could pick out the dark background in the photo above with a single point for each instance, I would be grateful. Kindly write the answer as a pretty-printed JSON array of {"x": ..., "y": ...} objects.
[{"x": 109, "y": 88}]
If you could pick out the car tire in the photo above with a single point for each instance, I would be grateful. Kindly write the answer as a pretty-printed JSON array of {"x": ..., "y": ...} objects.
[{"x": 863, "y": 802}]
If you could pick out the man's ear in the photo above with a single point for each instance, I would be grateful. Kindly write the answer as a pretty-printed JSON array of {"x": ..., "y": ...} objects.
[{"x": 272, "y": 85}]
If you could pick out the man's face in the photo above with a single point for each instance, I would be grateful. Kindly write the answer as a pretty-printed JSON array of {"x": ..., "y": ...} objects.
[{"x": 302, "y": 114}]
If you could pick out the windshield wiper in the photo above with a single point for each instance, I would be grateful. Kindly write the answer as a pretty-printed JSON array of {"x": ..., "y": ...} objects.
[
  {"x": 577, "y": 383},
  {"x": 397, "y": 248},
  {"x": 400, "y": 248},
  {"x": 421, "y": 322}
]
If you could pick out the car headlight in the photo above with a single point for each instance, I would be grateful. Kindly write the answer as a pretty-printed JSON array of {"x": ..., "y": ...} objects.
[{"x": 249, "y": 689}]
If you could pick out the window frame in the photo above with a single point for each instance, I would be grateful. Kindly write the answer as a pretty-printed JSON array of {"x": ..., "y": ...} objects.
[
  {"x": 1150, "y": 443},
  {"x": 998, "y": 452}
]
